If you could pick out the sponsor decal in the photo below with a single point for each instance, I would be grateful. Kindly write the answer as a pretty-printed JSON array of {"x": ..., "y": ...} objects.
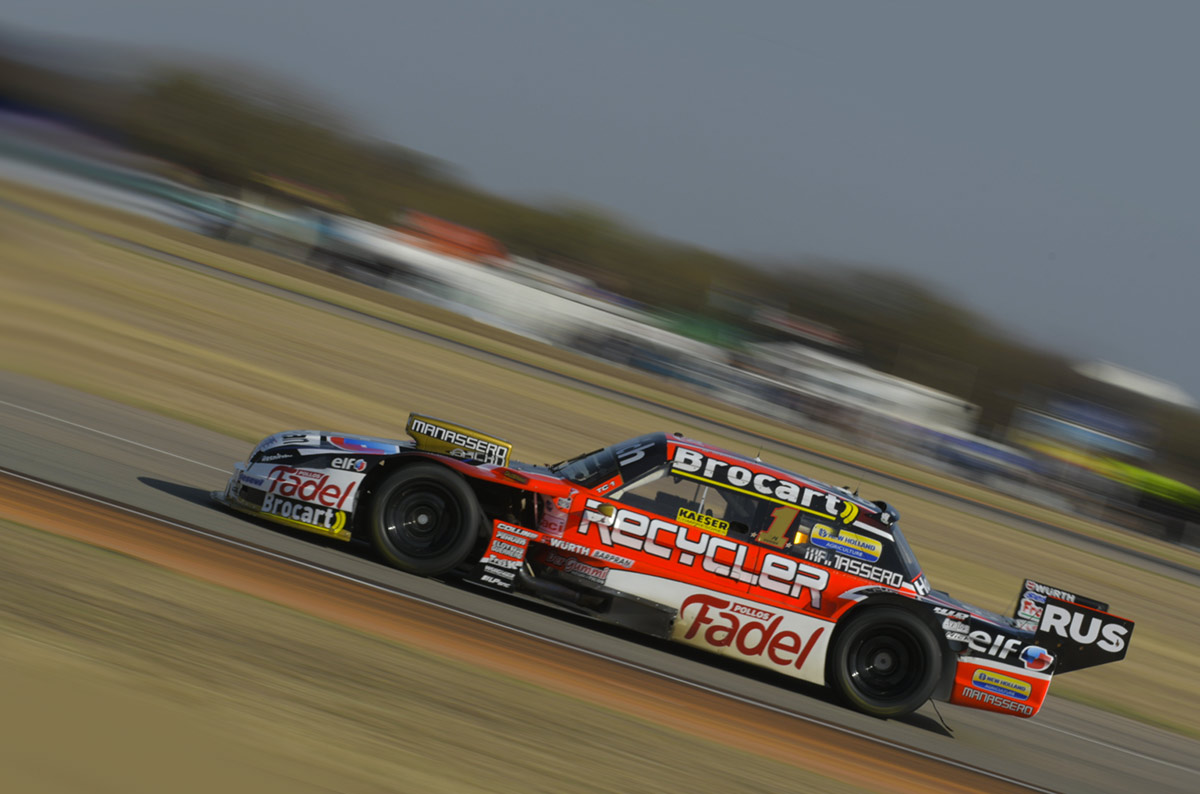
[
  {"x": 997, "y": 646},
  {"x": 872, "y": 572},
  {"x": 525, "y": 533},
  {"x": 848, "y": 543},
  {"x": 553, "y": 520},
  {"x": 506, "y": 551},
  {"x": 747, "y": 629},
  {"x": 461, "y": 442},
  {"x": 921, "y": 585},
  {"x": 309, "y": 486},
  {"x": 1031, "y": 606},
  {"x": 566, "y": 545},
  {"x": 587, "y": 551},
  {"x": 251, "y": 480},
  {"x": 819, "y": 556},
  {"x": 693, "y": 519},
  {"x": 950, "y": 624},
  {"x": 608, "y": 556},
  {"x": 1042, "y": 590},
  {"x": 578, "y": 567},
  {"x": 952, "y": 613},
  {"x": 1003, "y": 685},
  {"x": 553, "y": 524},
  {"x": 1035, "y": 658},
  {"x": 999, "y": 702},
  {"x": 503, "y": 563},
  {"x": 363, "y": 446},
  {"x": 955, "y": 636},
  {"x": 1083, "y": 628},
  {"x": 608, "y": 486},
  {"x": 696, "y": 465},
  {"x": 509, "y": 537},
  {"x": 349, "y": 464},
  {"x": 503, "y": 573},
  {"x": 500, "y": 547},
  {"x": 325, "y": 518},
  {"x": 692, "y": 546},
  {"x": 287, "y": 454}
]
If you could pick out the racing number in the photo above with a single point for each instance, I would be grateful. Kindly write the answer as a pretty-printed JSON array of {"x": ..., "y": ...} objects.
[
  {"x": 633, "y": 453},
  {"x": 776, "y": 533}
]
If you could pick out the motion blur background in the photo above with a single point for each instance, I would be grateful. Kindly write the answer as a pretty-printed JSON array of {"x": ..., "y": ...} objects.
[{"x": 921, "y": 229}]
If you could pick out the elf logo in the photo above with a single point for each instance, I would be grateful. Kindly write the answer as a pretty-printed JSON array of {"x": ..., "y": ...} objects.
[
  {"x": 1083, "y": 628},
  {"x": 998, "y": 646}
]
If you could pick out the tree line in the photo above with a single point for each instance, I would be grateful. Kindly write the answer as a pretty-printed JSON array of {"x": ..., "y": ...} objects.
[{"x": 227, "y": 129}]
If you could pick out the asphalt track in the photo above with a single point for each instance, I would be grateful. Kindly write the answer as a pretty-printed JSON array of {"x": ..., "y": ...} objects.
[{"x": 167, "y": 467}]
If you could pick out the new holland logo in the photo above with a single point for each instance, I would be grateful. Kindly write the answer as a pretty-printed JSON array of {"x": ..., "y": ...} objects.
[
  {"x": 849, "y": 543},
  {"x": 1001, "y": 685}
]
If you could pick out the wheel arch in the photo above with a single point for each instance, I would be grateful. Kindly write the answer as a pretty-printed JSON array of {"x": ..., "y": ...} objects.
[
  {"x": 380, "y": 472},
  {"x": 485, "y": 491},
  {"x": 949, "y": 660}
]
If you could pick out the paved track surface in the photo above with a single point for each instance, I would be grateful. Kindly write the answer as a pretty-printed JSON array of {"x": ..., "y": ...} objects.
[{"x": 167, "y": 467}]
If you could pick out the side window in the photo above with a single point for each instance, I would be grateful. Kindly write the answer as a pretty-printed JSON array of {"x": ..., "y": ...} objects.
[
  {"x": 692, "y": 502},
  {"x": 664, "y": 493}
]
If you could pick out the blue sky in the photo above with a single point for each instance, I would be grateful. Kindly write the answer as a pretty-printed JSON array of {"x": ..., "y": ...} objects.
[{"x": 1035, "y": 161}]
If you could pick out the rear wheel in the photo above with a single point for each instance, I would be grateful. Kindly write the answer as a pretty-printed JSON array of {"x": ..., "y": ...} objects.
[
  {"x": 886, "y": 662},
  {"x": 425, "y": 520}
]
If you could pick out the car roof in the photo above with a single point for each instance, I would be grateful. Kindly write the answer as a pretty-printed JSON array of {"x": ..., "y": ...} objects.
[{"x": 758, "y": 465}]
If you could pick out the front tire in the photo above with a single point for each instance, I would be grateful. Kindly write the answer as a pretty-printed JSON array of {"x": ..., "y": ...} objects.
[
  {"x": 425, "y": 520},
  {"x": 886, "y": 662}
]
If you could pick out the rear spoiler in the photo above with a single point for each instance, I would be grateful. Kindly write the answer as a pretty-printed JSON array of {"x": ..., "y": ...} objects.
[
  {"x": 436, "y": 435},
  {"x": 1078, "y": 631}
]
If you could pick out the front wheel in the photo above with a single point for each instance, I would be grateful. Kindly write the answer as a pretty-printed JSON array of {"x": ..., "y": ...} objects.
[
  {"x": 886, "y": 662},
  {"x": 425, "y": 520}
]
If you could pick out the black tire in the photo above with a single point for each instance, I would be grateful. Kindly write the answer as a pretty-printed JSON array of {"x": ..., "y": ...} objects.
[
  {"x": 425, "y": 520},
  {"x": 886, "y": 662}
]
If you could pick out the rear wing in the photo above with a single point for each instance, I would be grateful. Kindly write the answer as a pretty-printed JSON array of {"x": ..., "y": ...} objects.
[
  {"x": 1078, "y": 631},
  {"x": 436, "y": 435}
]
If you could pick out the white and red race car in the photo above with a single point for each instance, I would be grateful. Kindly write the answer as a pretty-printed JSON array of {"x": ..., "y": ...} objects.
[{"x": 686, "y": 541}]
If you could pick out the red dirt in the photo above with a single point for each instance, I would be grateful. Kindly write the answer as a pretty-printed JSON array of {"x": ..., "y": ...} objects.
[{"x": 675, "y": 705}]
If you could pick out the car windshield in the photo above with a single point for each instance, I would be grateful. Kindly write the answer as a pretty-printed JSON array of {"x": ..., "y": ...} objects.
[
  {"x": 589, "y": 469},
  {"x": 912, "y": 568}
]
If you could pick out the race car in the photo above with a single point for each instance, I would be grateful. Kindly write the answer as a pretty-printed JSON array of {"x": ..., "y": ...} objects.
[{"x": 688, "y": 542}]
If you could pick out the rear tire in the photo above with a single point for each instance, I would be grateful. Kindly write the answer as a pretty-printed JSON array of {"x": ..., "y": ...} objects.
[
  {"x": 886, "y": 662},
  {"x": 425, "y": 520}
]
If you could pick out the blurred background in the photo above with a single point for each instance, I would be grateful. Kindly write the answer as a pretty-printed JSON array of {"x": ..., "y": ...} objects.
[{"x": 982, "y": 326}]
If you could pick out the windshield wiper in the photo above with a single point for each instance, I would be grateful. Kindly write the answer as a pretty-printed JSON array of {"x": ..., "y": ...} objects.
[{"x": 556, "y": 466}]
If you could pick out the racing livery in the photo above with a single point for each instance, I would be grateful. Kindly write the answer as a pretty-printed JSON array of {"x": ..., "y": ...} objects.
[{"x": 686, "y": 541}]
